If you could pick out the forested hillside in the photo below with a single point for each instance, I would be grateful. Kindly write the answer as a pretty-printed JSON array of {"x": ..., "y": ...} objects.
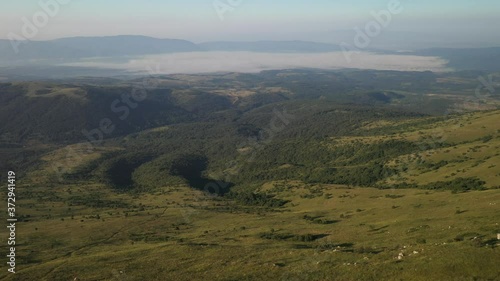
[{"x": 353, "y": 174}]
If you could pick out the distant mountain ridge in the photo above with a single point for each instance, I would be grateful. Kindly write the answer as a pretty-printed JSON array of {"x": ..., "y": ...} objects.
[
  {"x": 131, "y": 45},
  {"x": 85, "y": 47},
  {"x": 76, "y": 48}
]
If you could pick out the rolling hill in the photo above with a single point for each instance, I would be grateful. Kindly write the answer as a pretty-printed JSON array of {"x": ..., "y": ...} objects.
[{"x": 283, "y": 175}]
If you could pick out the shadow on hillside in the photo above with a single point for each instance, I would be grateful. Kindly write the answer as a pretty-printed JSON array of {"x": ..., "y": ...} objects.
[
  {"x": 211, "y": 186},
  {"x": 191, "y": 168}
]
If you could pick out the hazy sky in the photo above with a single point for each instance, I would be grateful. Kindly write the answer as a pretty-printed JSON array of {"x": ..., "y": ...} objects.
[{"x": 473, "y": 21}]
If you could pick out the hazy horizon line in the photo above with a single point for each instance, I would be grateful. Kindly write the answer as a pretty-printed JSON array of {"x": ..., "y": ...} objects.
[{"x": 492, "y": 45}]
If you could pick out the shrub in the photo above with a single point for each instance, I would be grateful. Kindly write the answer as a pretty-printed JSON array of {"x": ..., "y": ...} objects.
[
  {"x": 458, "y": 185},
  {"x": 421, "y": 241}
]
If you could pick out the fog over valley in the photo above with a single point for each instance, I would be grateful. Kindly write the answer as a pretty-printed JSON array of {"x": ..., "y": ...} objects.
[{"x": 205, "y": 62}]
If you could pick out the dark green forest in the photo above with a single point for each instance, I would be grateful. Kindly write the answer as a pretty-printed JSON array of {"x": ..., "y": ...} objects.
[{"x": 213, "y": 141}]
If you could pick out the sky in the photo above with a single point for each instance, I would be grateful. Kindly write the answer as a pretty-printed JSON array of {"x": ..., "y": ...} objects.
[{"x": 469, "y": 22}]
